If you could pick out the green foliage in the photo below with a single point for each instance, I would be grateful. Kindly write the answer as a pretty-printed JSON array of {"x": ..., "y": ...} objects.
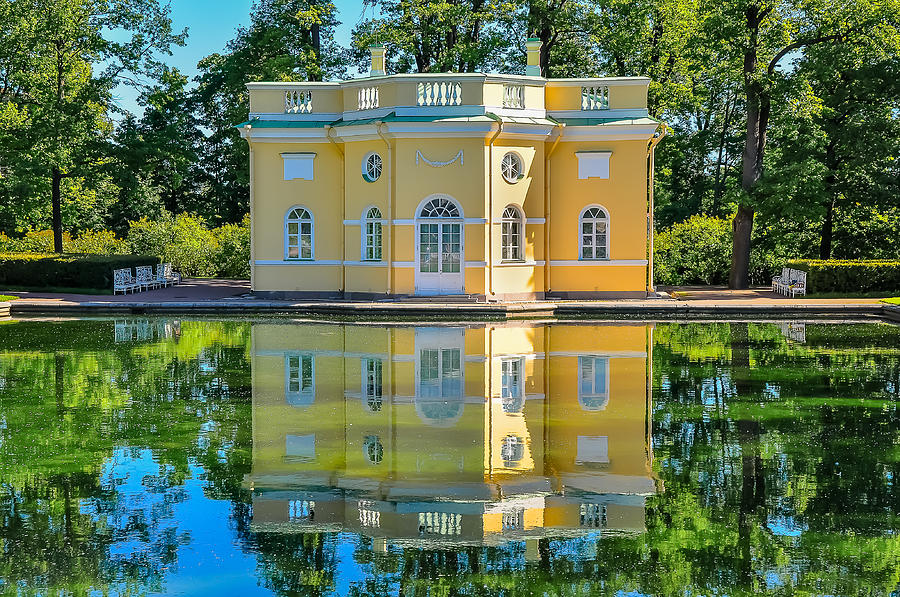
[
  {"x": 65, "y": 270},
  {"x": 696, "y": 251},
  {"x": 834, "y": 275},
  {"x": 233, "y": 258},
  {"x": 182, "y": 240},
  {"x": 94, "y": 242},
  {"x": 8, "y": 297}
]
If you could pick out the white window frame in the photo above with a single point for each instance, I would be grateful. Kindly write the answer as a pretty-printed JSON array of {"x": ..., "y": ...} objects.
[
  {"x": 365, "y": 164},
  {"x": 287, "y": 236},
  {"x": 365, "y": 236},
  {"x": 521, "y": 164},
  {"x": 508, "y": 248},
  {"x": 512, "y": 398},
  {"x": 581, "y": 221},
  {"x": 300, "y": 393},
  {"x": 364, "y": 383},
  {"x": 603, "y": 393}
]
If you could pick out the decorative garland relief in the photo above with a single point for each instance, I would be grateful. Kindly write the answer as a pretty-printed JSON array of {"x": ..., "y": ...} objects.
[{"x": 436, "y": 164}]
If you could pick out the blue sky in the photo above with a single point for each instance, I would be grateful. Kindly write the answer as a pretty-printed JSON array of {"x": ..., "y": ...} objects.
[{"x": 212, "y": 23}]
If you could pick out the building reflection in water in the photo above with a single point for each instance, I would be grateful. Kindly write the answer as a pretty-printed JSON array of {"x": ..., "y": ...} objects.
[{"x": 436, "y": 436}]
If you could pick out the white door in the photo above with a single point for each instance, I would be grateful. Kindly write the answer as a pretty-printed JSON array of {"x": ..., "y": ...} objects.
[{"x": 439, "y": 265}]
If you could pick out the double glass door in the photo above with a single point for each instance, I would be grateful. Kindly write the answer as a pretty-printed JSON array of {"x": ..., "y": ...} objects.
[{"x": 440, "y": 268}]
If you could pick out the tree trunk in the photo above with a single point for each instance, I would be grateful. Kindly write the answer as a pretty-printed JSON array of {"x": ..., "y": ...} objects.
[
  {"x": 741, "y": 227},
  {"x": 758, "y": 108},
  {"x": 56, "y": 202},
  {"x": 831, "y": 162}
]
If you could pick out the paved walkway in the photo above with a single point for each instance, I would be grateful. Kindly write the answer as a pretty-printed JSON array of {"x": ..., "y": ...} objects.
[{"x": 233, "y": 296}]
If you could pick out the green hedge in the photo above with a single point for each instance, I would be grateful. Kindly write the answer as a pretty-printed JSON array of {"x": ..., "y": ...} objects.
[
  {"x": 835, "y": 275},
  {"x": 65, "y": 270}
]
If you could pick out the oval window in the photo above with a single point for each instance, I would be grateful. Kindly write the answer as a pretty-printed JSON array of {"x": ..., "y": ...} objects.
[
  {"x": 511, "y": 167},
  {"x": 371, "y": 167}
]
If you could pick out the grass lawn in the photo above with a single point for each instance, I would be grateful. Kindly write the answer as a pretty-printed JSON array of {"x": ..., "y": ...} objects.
[
  {"x": 892, "y": 301},
  {"x": 6, "y": 297}
]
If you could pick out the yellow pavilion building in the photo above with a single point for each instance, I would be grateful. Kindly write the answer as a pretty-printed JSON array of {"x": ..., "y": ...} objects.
[
  {"x": 493, "y": 187},
  {"x": 435, "y": 436}
]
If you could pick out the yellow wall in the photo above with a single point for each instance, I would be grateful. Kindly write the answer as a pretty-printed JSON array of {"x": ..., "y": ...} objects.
[
  {"x": 340, "y": 194},
  {"x": 462, "y": 461}
]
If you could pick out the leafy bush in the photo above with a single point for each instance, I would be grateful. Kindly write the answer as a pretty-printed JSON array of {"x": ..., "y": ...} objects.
[
  {"x": 65, "y": 270},
  {"x": 234, "y": 249},
  {"x": 96, "y": 242},
  {"x": 696, "y": 251},
  {"x": 182, "y": 240},
  {"x": 99, "y": 242},
  {"x": 834, "y": 275}
]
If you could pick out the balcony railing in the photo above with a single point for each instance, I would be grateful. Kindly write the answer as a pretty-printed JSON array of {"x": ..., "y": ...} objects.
[
  {"x": 514, "y": 96},
  {"x": 439, "y": 93},
  {"x": 367, "y": 98},
  {"x": 595, "y": 97},
  {"x": 298, "y": 101}
]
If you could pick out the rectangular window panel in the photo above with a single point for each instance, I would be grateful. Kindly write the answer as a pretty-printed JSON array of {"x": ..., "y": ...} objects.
[
  {"x": 451, "y": 248},
  {"x": 428, "y": 248},
  {"x": 511, "y": 378}
]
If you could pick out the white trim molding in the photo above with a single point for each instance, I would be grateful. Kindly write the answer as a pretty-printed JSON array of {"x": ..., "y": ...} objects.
[
  {"x": 596, "y": 262},
  {"x": 535, "y": 221},
  {"x": 297, "y": 262},
  {"x": 519, "y": 263},
  {"x": 602, "y": 114}
]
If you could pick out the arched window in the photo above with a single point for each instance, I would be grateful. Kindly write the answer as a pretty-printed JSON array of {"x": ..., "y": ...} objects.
[
  {"x": 511, "y": 394},
  {"x": 439, "y": 207},
  {"x": 593, "y": 382},
  {"x": 298, "y": 231},
  {"x": 372, "y": 235},
  {"x": 299, "y": 379},
  {"x": 594, "y": 234},
  {"x": 511, "y": 234},
  {"x": 372, "y": 384}
]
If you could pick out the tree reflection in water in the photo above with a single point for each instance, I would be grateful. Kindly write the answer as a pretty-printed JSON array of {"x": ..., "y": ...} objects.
[{"x": 711, "y": 458}]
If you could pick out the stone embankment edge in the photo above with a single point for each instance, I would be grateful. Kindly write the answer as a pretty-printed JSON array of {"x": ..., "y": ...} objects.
[
  {"x": 463, "y": 311},
  {"x": 891, "y": 312}
]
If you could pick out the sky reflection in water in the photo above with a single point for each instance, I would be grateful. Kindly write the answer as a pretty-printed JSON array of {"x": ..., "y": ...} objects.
[{"x": 271, "y": 457}]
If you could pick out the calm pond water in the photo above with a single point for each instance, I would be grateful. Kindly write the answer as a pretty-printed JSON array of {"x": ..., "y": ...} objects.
[{"x": 196, "y": 456}]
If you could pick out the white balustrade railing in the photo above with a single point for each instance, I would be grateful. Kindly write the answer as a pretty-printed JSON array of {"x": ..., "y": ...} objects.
[
  {"x": 513, "y": 96},
  {"x": 298, "y": 101},
  {"x": 595, "y": 97},
  {"x": 440, "y": 523},
  {"x": 439, "y": 93},
  {"x": 367, "y": 98}
]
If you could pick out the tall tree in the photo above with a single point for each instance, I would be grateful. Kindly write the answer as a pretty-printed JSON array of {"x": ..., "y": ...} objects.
[
  {"x": 759, "y": 36},
  {"x": 426, "y": 36},
  {"x": 287, "y": 40},
  {"x": 76, "y": 53}
]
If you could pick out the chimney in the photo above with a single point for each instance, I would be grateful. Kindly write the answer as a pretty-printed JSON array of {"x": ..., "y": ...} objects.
[
  {"x": 533, "y": 46},
  {"x": 377, "y": 60}
]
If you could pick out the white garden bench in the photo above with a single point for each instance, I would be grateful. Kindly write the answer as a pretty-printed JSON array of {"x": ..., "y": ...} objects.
[
  {"x": 165, "y": 276},
  {"x": 791, "y": 282},
  {"x": 123, "y": 281},
  {"x": 145, "y": 277}
]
